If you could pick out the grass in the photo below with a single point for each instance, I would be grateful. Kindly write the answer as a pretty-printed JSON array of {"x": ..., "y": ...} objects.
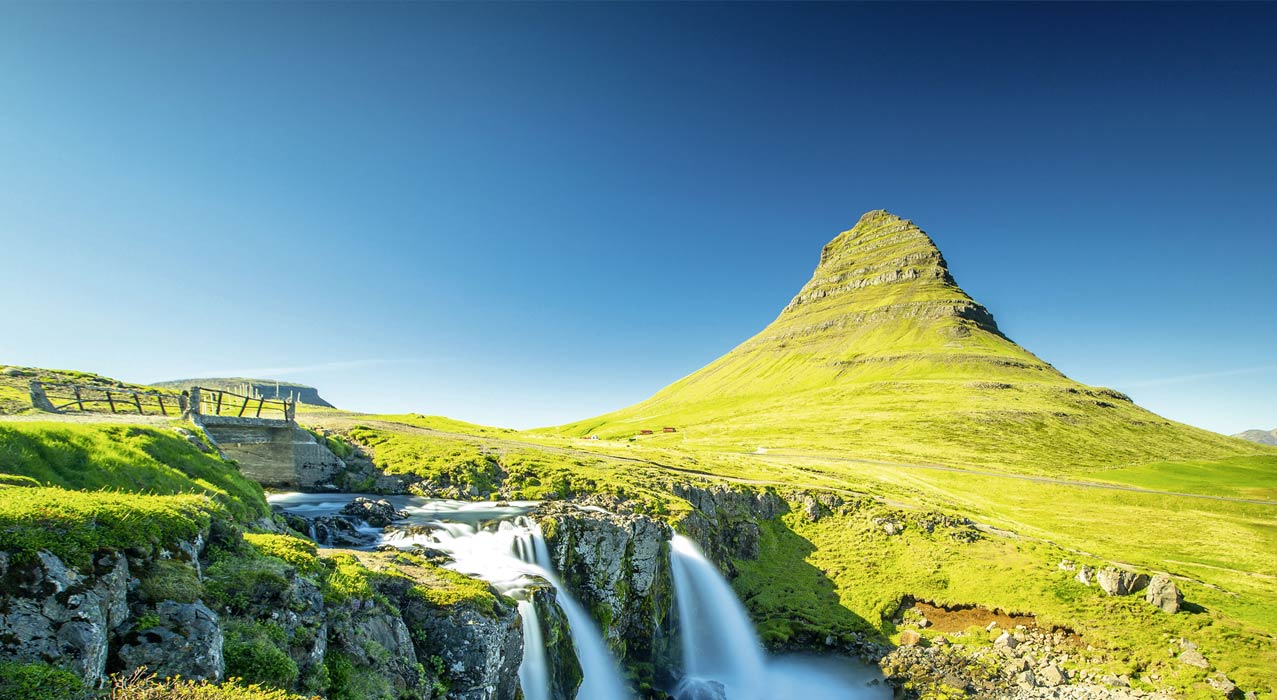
[
  {"x": 15, "y": 395},
  {"x": 74, "y": 525},
  {"x": 126, "y": 458}
]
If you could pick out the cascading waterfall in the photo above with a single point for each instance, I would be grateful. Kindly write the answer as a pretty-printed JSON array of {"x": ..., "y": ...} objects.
[
  {"x": 719, "y": 643},
  {"x": 534, "y": 676},
  {"x": 722, "y": 656},
  {"x": 510, "y": 554},
  {"x": 721, "y": 647}
]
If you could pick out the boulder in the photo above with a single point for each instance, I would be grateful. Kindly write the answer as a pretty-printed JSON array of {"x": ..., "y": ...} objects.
[
  {"x": 700, "y": 689},
  {"x": 1118, "y": 582},
  {"x": 376, "y": 513},
  {"x": 909, "y": 638},
  {"x": 1193, "y": 657},
  {"x": 1163, "y": 594},
  {"x": 1085, "y": 575},
  {"x": 186, "y": 642},
  {"x": 1051, "y": 676},
  {"x": 53, "y": 612},
  {"x": 1226, "y": 687}
]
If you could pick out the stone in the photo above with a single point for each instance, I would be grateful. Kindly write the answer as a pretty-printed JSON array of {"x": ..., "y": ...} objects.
[
  {"x": 1119, "y": 582},
  {"x": 186, "y": 642},
  {"x": 909, "y": 638},
  {"x": 1193, "y": 657},
  {"x": 1051, "y": 676},
  {"x": 1085, "y": 575},
  {"x": 1162, "y": 593},
  {"x": 376, "y": 513},
  {"x": 1026, "y": 679},
  {"x": 1067, "y": 565},
  {"x": 1006, "y": 640}
]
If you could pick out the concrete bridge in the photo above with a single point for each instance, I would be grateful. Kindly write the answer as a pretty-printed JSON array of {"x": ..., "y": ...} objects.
[{"x": 260, "y": 434}]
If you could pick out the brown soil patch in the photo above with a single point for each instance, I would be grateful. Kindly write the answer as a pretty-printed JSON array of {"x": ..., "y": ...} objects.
[{"x": 959, "y": 619}]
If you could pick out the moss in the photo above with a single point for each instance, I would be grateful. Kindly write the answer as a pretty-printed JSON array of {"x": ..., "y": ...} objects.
[
  {"x": 23, "y": 681},
  {"x": 294, "y": 551},
  {"x": 244, "y": 581},
  {"x": 254, "y": 651},
  {"x": 169, "y": 579},
  {"x": 75, "y": 524},
  {"x": 347, "y": 681},
  {"x": 125, "y": 458}
]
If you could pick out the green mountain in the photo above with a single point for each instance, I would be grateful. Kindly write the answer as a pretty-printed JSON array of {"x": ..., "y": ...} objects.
[{"x": 881, "y": 355}]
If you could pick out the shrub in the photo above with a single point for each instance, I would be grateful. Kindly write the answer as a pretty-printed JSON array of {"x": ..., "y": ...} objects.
[
  {"x": 252, "y": 652},
  {"x": 20, "y": 681},
  {"x": 169, "y": 579}
]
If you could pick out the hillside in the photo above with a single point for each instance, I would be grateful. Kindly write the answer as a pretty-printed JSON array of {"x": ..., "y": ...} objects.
[
  {"x": 1263, "y": 437},
  {"x": 882, "y": 355},
  {"x": 269, "y": 388}
]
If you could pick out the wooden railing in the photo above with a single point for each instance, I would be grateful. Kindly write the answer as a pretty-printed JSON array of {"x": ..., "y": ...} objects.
[
  {"x": 197, "y": 401},
  {"x": 91, "y": 398},
  {"x": 220, "y": 402}
]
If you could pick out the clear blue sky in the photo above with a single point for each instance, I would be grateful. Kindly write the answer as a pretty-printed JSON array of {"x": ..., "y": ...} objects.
[{"x": 524, "y": 214}]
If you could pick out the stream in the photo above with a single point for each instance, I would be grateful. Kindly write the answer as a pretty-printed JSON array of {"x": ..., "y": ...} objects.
[{"x": 722, "y": 656}]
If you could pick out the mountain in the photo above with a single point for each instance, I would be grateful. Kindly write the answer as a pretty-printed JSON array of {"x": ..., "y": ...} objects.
[
  {"x": 1263, "y": 437},
  {"x": 881, "y": 355},
  {"x": 268, "y": 388}
]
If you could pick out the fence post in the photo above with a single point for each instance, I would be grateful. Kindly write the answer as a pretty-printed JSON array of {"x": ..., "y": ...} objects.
[
  {"x": 39, "y": 399},
  {"x": 290, "y": 411},
  {"x": 193, "y": 404}
]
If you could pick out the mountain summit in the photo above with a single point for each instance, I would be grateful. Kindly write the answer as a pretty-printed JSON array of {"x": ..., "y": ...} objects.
[{"x": 882, "y": 355}]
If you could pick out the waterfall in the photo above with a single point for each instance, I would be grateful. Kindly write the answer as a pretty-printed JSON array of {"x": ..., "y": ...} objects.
[
  {"x": 719, "y": 643},
  {"x": 601, "y": 677},
  {"x": 534, "y": 676},
  {"x": 510, "y": 555}
]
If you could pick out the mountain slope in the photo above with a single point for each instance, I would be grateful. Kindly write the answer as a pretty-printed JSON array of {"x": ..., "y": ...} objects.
[
  {"x": 1263, "y": 437},
  {"x": 881, "y": 355}
]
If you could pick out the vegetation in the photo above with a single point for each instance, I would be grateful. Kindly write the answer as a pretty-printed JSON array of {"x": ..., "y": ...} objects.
[
  {"x": 15, "y": 394},
  {"x": 128, "y": 458},
  {"x": 28, "y": 681},
  {"x": 254, "y": 650},
  {"x": 73, "y": 525},
  {"x": 148, "y": 688}
]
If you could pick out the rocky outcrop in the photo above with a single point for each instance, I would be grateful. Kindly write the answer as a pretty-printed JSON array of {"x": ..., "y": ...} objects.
[
  {"x": 1119, "y": 582},
  {"x": 53, "y": 613},
  {"x": 564, "y": 670},
  {"x": 618, "y": 567},
  {"x": 725, "y": 520},
  {"x": 182, "y": 639},
  {"x": 1163, "y": 594}
]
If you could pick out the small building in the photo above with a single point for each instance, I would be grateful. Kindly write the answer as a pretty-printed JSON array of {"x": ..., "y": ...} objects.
[
  {"x": 645, "y": 432},
  {"x": 669, "y": 430}
]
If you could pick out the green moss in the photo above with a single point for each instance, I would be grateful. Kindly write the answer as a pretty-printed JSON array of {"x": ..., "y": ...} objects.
[
  {"x": 23, "y": 681},
  {"x": 127, "y": 458},
  {"x": 294, "y": 551},
  {"x": 75, "y": 524},
  {"x": 254, "y": 651},
  {"x": 169, "y": 579},
  {"x": 348, "y": 681}
]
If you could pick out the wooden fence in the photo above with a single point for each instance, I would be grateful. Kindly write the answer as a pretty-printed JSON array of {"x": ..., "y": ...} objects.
[
  {"x": 220, "y": 402},
  {"x": 91, "y": 398},
  {"x": 88, "y": 398}
]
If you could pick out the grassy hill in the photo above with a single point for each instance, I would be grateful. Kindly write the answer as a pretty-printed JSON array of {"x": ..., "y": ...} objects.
[{"x": 882, "y": 355}]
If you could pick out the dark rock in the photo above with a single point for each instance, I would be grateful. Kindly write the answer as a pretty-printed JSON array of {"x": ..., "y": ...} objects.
[
  {"x": 700, "y": 689},
  {"x": 376, "y": 513},
  {"x": 186, "y": 642}
]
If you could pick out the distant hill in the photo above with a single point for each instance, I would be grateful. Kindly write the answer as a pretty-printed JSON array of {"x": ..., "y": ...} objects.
[
  {"x": 268, "y": 388},
  {"x": 1263, "y": 437},
  {"x": 881, "y": 355}
]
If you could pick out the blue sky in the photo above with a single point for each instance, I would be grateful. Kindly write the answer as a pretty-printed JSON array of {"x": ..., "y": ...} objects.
[{"x": 525, "y": 214}]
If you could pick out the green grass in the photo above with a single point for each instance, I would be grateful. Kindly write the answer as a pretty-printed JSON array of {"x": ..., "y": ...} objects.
[
  {"x": 126, "y": 458},
  {"x": 441, "y": 423},
  {"x": 74, "y": 525},
  {"x": 1253, "y": 477},
  {"x": 15, "y": 395}
]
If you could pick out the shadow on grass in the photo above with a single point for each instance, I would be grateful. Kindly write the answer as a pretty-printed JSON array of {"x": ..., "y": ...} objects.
[{"x": 793, "y": 602}]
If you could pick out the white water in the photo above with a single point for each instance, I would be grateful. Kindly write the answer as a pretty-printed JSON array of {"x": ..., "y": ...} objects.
[
  {"x": 504, "y": 547},
  {"x": 534, "y": 676},
  {"x": 720, "y": 646},
  {"x": 510, "y": 554}
]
